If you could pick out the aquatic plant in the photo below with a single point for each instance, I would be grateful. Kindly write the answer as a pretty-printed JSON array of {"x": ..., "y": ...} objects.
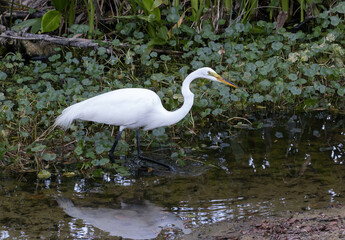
[{"x": 275, "y": 69}]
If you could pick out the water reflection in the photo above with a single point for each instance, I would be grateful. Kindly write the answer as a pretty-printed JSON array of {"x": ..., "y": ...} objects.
[
  {"x": 289, "y": 163},
  {"x": 144, "y": 221}
]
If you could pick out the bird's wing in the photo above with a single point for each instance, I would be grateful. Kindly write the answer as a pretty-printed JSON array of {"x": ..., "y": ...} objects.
[{"x": 129, "y": 108}]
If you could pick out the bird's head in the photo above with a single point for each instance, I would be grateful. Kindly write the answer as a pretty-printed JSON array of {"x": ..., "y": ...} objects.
[{"x": 210, "y": 74}]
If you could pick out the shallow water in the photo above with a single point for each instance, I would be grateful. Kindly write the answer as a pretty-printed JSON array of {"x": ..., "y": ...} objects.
[{"x": 291, "y": 163}]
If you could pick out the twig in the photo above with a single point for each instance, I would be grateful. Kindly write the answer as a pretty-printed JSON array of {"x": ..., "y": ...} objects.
[
  {"x": 240, "y": 118},
  {"x": 72, "y": 42}
]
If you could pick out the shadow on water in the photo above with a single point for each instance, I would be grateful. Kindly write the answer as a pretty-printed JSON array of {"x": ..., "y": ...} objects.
[{"x": 291, "y": 163}]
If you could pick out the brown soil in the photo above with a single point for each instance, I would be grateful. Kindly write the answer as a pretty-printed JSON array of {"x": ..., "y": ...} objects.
[{"x": 317, "y": 224}]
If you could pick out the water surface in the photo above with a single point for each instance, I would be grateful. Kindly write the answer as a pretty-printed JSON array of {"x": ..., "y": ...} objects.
[{"x": 286, "y": 162}]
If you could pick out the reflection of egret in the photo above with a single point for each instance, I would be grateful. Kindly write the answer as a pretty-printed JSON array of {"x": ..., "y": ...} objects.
[
  {"x": 135, "y": 108},
  {"x": 143, "y": 221}
]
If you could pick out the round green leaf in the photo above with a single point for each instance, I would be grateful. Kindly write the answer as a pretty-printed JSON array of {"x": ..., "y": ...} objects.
[
  {"x": 293, "y": 76},
  {"x": 51, "y": 21},
  {"x": 100, "y": 148},
  {"x": 295, "y": 90},
  {"x": 95, "y": 162},
  {"x": 265, "y": 83},
  {"x": 341, "y": 91},
  {"x": 277, "y": 45},
  {"x": 158, "y": 131},
  {"x": 103, "y": 161},
  {"x": 340, "y": 7},
  {"x": 49, "y": 156},
  {"x": 44, "y": 174},
  {"x": 3, "y": 75},
  {"x": 335, "y": 20},
  {"x": 258, "y": 98}
]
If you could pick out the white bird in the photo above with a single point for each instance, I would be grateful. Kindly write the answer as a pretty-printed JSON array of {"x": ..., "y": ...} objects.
[{"x": 135, "y": 108}]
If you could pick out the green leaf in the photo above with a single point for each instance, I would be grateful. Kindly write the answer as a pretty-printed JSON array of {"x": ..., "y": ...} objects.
[
  {"x": 341, "y": 91},
  {"x": 44, "y": 174},
  {"x": 116, "y": 42},
  {"x": 202, "y": 103},
  {"x": 293, "y": 76},
  {"x": 79, "y": 28},
  {"x": 103, "y": 161},
  {"x": 78, "y": 150},
  {"x": 265, "y": 84},
  {"x": 51, "y": 21},
  {"x": 173, "y": 17},
  {"x": 86, "y": 82},
  {"x": 95, "y": 162},
  {"x": 340, "y": 8},
  {"x": 49, "y": 156},
  {"x": 258, "y": 98},
  {"x": 165, "y": 58},
  {"x": 25, "y": 24},
  {"x": 38, "y": 148},
  {"x": 3, "y": 75},
  {"x": 217, "y": 111},
  {"x": 158, "y": 131},
  {"x": 100, "y": 148},
  {"x": 157, "y": 3},
  {"x": 335, "y": 20},
  {"x": 174, "y": 155},
  {"x": 295, "y": 90},
  {"x": 69, "y": 174},
  {"x": 101, "y": 51},
  {"x": 156, "y": 41},
  {"x": 97, "y": 173},
  {"x": 259, "y": 64},
  {"x": 60, "y": 4},
  {"x": 277, "y": 45},
  {"x": 36, "y": 26},
  {"x": 320, "y": 87},
  {"x": 206, "y": 112},
  {"x": 147, "y": 4},
  {"x": 162, "y": 33}
]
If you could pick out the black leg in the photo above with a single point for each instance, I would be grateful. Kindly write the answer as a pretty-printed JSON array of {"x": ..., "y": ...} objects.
[
  {"x": 111, "y": 152},
  {"x": 149, "y": 159}
]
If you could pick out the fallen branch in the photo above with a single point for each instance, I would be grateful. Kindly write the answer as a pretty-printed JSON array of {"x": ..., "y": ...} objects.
[{"x": 72, "y": 42}]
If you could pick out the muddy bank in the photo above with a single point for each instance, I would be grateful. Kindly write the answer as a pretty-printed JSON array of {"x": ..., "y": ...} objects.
[{"x": 316, "y": 224}]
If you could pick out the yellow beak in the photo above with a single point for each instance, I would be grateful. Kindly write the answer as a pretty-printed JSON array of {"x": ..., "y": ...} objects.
[{"x": 223, "y": 80}]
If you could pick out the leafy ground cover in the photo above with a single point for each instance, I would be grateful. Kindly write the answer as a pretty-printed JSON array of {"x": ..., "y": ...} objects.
[{"x": 275, "y": 68}]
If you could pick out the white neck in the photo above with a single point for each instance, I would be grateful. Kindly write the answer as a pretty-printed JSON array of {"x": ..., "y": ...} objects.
[{"x": 188, "y": 96}]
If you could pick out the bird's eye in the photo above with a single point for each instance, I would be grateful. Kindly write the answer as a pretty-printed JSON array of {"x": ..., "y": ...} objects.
[{"x": 211, "y": 74}]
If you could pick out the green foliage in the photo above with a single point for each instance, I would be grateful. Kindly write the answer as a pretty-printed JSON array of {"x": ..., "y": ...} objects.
[
  {"x": 283, "y": 70},
  {"x": 34, "y": 24},
  {"x": 51, "y": 21},
  {"x": 44, "y": 174}
]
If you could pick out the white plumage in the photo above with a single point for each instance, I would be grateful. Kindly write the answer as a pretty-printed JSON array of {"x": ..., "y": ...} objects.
[
  {"x": 134, "y": 108},
  {"x": 128, "y": 108}
]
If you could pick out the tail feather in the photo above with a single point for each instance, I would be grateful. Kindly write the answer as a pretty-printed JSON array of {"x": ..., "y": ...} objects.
[{"x": 66, "y": 118}]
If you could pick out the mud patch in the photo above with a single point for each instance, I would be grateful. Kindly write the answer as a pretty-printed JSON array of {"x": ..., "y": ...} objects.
[{"x": 317, "y": 224}]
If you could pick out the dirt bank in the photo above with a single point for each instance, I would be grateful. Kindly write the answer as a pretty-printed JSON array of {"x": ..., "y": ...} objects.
[{"x": 316, "y": 224}]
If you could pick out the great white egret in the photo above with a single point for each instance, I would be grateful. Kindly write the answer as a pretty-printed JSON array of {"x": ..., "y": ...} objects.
[{"x": 135, "y": 108}]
